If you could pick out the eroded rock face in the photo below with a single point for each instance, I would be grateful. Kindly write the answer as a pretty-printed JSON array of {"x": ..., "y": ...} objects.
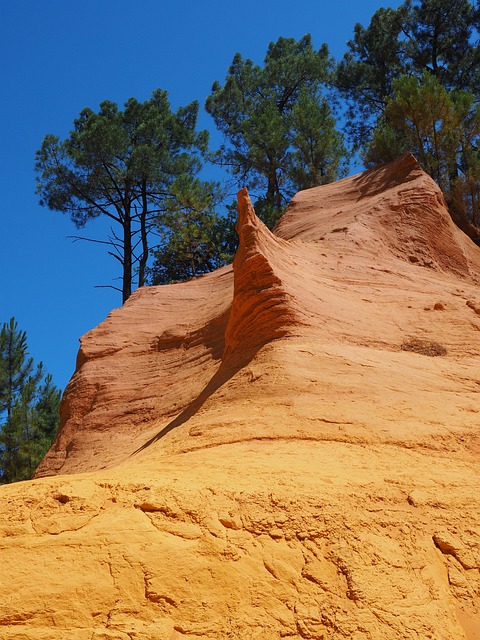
[{"x": 285, "y": 449}]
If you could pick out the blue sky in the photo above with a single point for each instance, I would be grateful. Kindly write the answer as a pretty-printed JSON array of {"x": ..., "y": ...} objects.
[{"x": 59, "y": 56}]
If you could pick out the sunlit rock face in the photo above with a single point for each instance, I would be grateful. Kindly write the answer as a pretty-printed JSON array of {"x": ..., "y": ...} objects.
[{"x": 284, "y": 448}]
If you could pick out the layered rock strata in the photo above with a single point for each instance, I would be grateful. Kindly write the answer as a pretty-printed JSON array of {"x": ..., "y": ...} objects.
[{"x": 283, "y": 449}]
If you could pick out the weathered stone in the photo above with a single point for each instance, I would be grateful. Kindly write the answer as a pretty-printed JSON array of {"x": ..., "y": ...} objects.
[{"x": 253, "y": 455}]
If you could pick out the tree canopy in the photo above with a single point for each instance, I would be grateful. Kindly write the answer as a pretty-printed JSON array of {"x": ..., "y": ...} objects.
[
  {"x": 440, "y": 38},
  {"x": 278, "y": 126},
  {"x": 194, "y": 238},
  {"x": 122, "y": 165},
  {"x": 29, "y": 407},
  {"x": 420, "y": 116},
  {"x": 412, "y": 82}
]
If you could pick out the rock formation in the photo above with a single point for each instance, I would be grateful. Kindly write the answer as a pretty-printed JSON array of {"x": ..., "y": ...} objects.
[{"x": 283, "y": 449}]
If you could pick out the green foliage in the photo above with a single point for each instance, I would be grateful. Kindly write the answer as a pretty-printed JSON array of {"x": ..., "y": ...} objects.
[
  {"x": 442, "y": 38},
  {"x": 194, "y": 237},
  {"x": 412, "y": 81},
  {"x": 318, "y": 155},
  {"x": 121, "y": 164},
  {"x": 279, "y": 131},
  {"x": 464, "y": 191},
  {"x": 365, "y": 75},
  {"x": 442, "y": 129},
  {"x": 29, "y": 407},
  {"x": 421, "y": 35},
  {"x": 420, "y": 117}
]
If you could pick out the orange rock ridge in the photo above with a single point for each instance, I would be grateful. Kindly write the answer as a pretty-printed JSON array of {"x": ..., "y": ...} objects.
[{"x": 283, "y": 449}]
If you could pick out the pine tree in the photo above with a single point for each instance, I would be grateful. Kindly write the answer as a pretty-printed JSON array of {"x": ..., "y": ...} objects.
[
  {"x": 121, "y": 165},
  {"x": 278, "y": 127},
  {"x": 412, "y": 83},
  {"x": 29, "y": 407},
  {"x": 432, "y": 36},
  {"x": 442, "y": 129},
  {"x": 194, "y": 238},
  {"x": 420, "y": 117}
]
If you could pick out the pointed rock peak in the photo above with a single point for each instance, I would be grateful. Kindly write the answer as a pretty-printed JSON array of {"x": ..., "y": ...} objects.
[
  {"x": 407, "y": 160},
  {"x": 246, "y": 212},
  {"x": 401, "y": 166},
  {"x": 262, "y": 310},
  {"x": 251, "y": 230},
  {"x": 384, "y": 177}
]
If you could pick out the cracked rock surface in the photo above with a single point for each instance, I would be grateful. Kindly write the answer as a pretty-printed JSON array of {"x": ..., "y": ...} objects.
[{"x": 285, "y": 448}]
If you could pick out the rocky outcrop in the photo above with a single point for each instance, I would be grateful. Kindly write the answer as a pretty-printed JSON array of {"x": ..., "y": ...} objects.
[{"x": 283, "y": 449}]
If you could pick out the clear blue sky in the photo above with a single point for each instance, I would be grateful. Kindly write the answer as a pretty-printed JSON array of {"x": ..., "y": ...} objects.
[{"x": 58, "y": 56}]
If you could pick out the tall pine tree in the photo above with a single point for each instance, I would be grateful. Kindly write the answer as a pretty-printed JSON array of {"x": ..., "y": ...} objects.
[
  {"x": 278, "y": 126},
  {"x": 194, "y": 238},
  {"x": 411, "y": 80},
  {"x": 121, "y": 164},
  {"x": 421, "y": 36},
  {"x": 29, "y": 407}
]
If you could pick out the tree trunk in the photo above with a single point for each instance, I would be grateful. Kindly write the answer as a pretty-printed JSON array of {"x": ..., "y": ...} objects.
[
  {"x": 270, "y": 195},
  {"x": 273, "y": 195},
  {"x": 127, "y": 254},
  {"x": 142, "y": 265}
]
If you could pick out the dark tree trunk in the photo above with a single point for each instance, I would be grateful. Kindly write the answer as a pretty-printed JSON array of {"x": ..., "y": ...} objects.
[
  {"x": 143, "y": 234},
  {"x": 127, "y": 254},
  {"x": 273, "y": 195}
]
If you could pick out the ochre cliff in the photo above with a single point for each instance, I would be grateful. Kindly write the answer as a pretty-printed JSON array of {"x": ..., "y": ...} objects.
[{"x": 283, "y": 449}]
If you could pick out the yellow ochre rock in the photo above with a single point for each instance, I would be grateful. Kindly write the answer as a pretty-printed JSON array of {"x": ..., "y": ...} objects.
[{"x": 284, "y": 448}]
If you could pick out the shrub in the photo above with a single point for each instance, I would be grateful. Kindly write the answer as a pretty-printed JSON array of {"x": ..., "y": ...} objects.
[{"x": 424, "y": 347}]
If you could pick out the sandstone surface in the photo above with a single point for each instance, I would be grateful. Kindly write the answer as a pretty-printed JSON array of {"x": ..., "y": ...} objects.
[{"x": 283, "y": 449}]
